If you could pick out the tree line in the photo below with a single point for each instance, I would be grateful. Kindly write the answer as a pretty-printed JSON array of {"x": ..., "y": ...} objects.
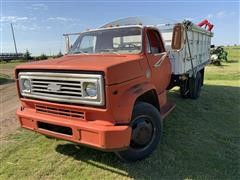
[{"x": 27, "y": 56}]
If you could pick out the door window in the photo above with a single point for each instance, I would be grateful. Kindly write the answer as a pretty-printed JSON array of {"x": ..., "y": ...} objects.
[{"x": 155, "y": 42}]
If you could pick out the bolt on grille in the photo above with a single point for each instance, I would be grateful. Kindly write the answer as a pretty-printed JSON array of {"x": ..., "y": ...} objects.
[{"x": 57, "y": 87}]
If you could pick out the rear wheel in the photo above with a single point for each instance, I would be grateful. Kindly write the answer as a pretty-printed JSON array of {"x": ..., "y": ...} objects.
[
  {"x": 146, "y": 132},
  {"x": 184, "y": 89},
  {"x": 195, "y": 86}
]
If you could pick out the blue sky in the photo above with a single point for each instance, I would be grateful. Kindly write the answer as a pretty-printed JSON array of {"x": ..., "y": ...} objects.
[{"x": 39, "y": 25}]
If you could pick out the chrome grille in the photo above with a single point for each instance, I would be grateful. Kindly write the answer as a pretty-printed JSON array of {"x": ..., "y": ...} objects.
[
  {"x": 66, "y": 88},
  {"x": 62, "y": 87}
]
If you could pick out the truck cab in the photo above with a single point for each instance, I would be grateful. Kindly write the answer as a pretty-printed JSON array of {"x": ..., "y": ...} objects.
[{"x": 108, "y": 92}]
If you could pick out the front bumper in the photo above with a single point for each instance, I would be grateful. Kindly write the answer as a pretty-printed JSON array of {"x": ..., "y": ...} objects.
[{"x": 107, "y": 137}]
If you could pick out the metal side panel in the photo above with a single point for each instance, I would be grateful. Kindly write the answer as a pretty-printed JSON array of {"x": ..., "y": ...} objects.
[{"x": 199, "y": 41}]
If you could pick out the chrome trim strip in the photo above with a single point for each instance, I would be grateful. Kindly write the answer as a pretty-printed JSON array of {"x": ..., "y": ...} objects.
[{"x": 162, "y": 58}]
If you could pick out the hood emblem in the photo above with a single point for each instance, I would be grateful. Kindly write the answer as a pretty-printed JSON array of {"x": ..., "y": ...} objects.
[{"x": 54, "y": 87}]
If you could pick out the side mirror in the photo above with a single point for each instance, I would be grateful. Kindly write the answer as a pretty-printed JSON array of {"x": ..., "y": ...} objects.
[{"x": 177, "y": 37}]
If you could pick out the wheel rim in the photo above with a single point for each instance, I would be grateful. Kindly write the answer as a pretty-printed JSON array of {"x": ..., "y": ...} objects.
[{"x": 142, "y": 132}]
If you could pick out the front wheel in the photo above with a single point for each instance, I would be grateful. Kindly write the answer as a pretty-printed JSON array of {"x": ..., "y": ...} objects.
[{"x": 146, "y": 132}]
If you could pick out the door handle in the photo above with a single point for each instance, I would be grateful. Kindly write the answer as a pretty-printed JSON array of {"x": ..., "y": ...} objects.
[{"x": 159, "y": 62}]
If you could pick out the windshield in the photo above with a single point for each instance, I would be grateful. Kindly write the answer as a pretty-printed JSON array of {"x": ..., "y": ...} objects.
[{"x": 127, "y": 40}]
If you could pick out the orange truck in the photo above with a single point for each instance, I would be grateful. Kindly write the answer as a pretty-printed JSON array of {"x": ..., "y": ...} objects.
[{"x": 110, "y": 89}]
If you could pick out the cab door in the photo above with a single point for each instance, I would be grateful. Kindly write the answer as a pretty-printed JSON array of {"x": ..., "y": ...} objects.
[{"x": 158, "y": 59}]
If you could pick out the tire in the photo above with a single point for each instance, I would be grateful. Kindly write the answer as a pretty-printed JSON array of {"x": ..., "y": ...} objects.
[
  {"x": 184, "y": 89},
  {"x": 195, "y": 86},
  {"x": 146, "y": 133}
]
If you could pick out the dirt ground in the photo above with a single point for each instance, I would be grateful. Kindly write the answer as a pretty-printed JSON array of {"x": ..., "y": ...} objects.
[{"x": 8, "y": 105}]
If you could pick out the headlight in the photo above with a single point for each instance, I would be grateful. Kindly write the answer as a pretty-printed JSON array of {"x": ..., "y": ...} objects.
[
  {"x": 90, "y": 89},
  {"x": 25, "y": 85}
]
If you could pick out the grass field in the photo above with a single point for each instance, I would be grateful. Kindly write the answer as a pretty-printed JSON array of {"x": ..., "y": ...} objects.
[
  {"x": 201, "y": 141},
  {"x": 11, "y": 64},
  {"x": 5, "y": 78}
]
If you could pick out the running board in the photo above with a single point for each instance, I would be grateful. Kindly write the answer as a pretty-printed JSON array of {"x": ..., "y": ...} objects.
[{"x": 166, "y": 109}]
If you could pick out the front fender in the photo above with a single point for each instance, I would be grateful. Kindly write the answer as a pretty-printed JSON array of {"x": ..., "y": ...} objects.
[{"x": 123, "y": 105}]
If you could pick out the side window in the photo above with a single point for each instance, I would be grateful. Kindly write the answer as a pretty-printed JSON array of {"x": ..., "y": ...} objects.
[
  {"x": 155, "y": 42},
  {"x": 88, "y": 44},
  {"x": 116, "y": 42}
]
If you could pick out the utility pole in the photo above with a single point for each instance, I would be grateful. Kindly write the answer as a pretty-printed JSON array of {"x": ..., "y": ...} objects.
[{"x": 14, "y": 40}]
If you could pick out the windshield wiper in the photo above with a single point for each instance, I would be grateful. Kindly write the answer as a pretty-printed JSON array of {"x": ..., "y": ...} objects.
[
  {"x": 79, "y": 51},
  {"x": 114, "y": 52},
  {"x": 109, "y": 51}
]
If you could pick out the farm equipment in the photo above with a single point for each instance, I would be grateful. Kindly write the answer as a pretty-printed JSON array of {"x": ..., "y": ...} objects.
[
  {"x": 206, "y": 24},
  {"x": 218, "y": 54},
  {"x": 110, "y": 90},
  {"x": 10, "y": 56}
]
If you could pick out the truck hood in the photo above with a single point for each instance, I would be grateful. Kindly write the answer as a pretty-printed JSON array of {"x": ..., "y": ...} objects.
[{"x": 117, "y": 68}]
